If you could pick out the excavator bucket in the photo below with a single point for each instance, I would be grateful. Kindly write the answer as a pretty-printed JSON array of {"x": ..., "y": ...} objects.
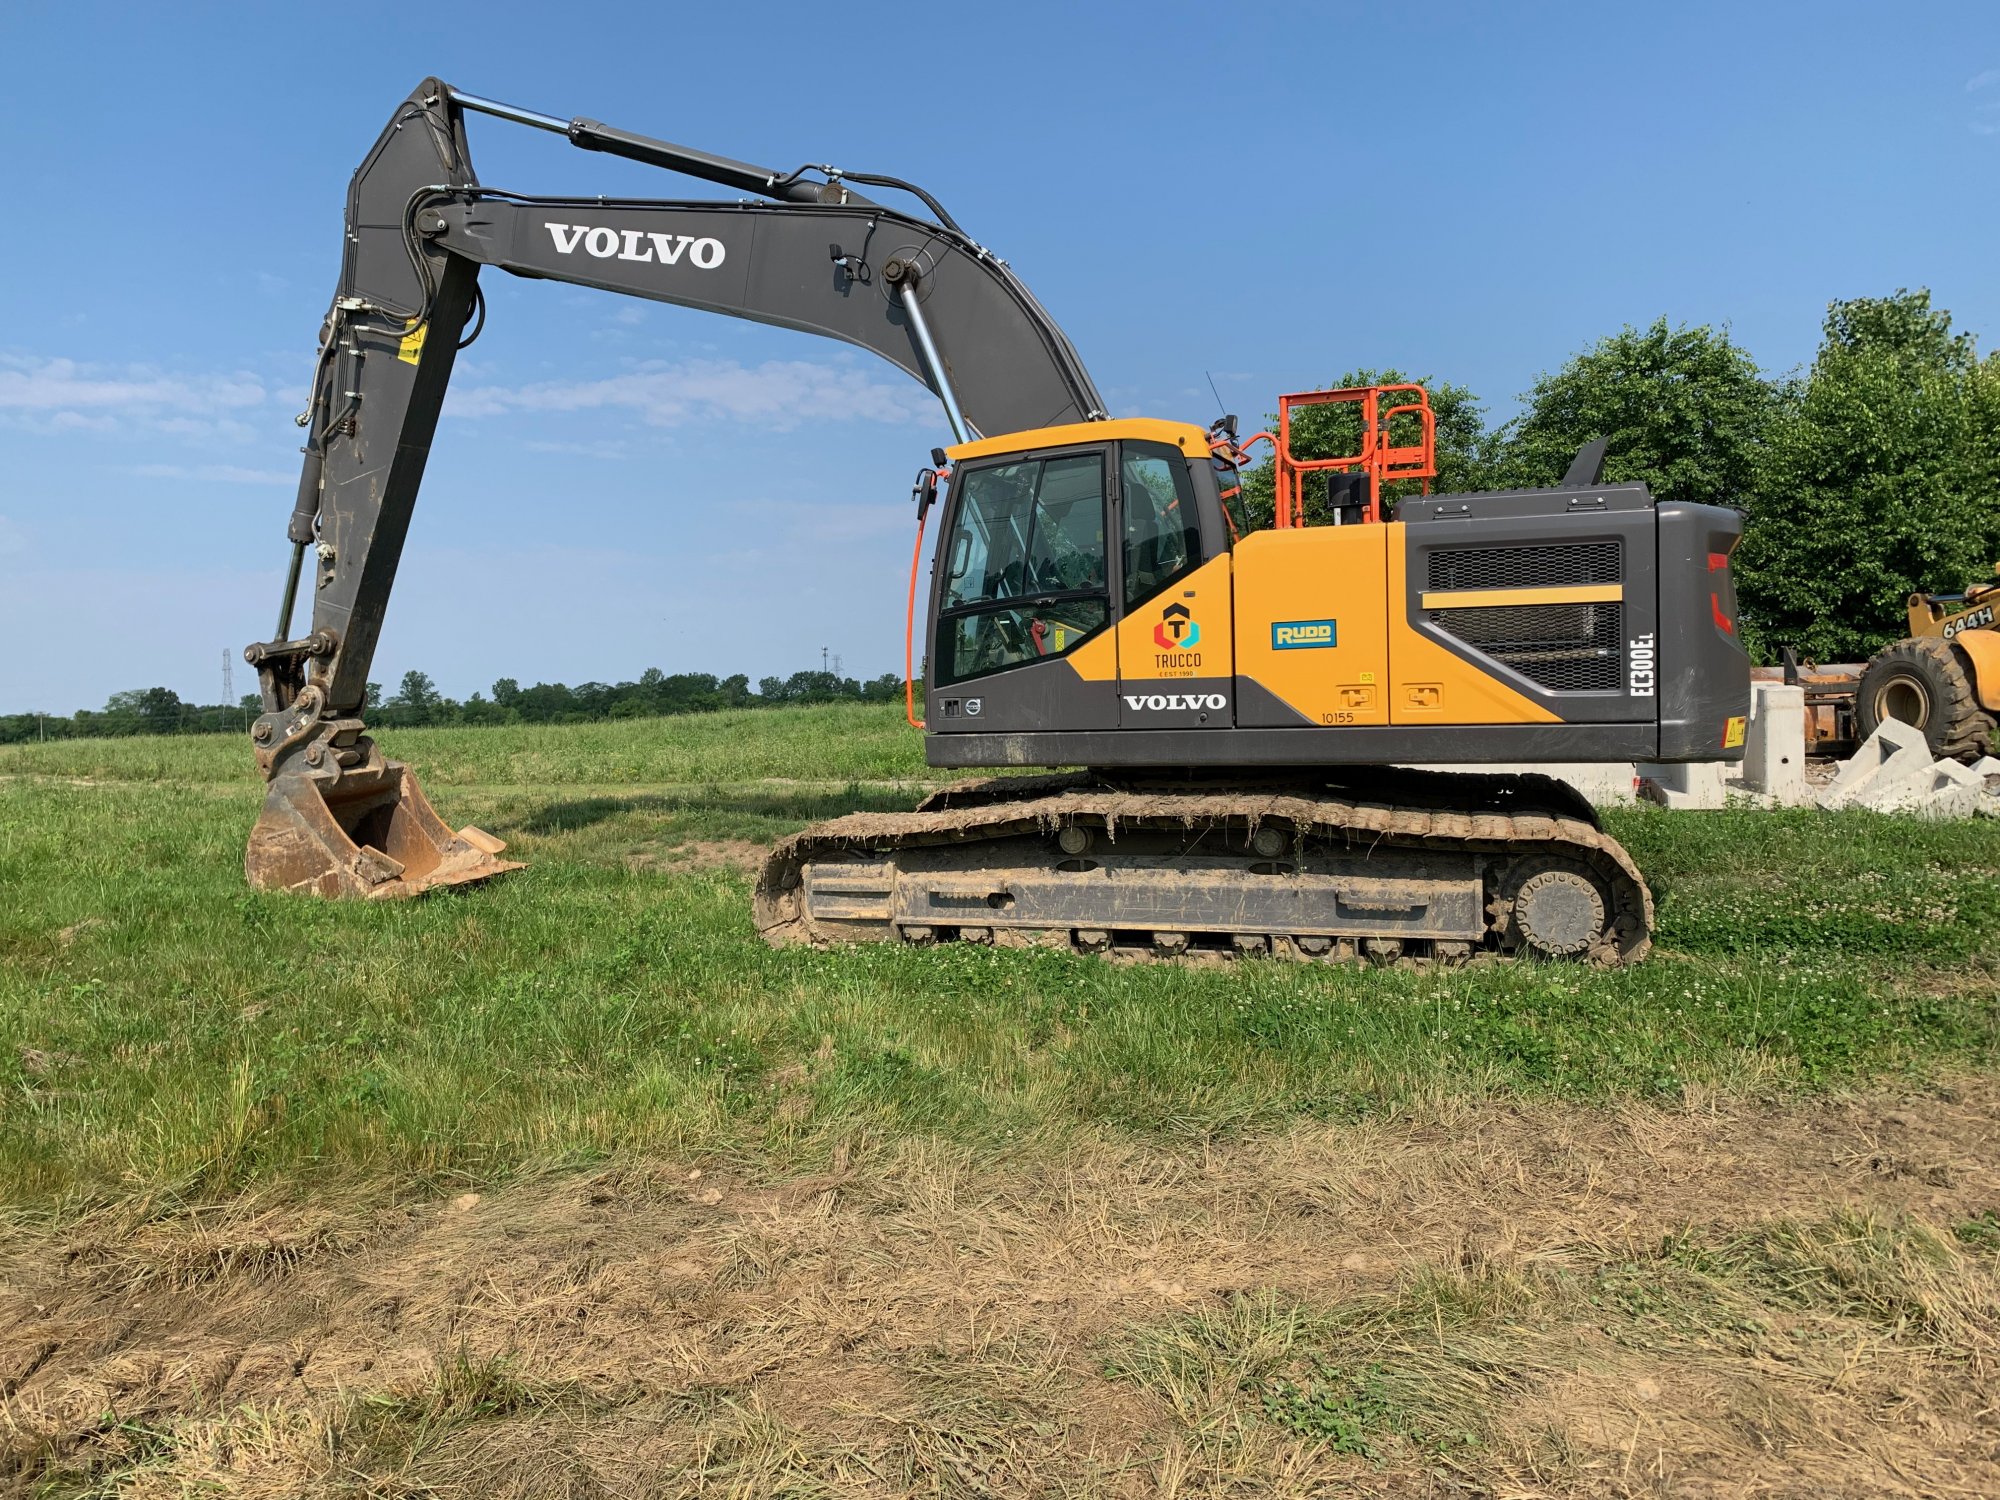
[{"x": 366, "y": 832}]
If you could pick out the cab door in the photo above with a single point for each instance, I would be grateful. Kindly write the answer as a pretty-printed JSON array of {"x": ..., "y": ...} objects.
[
  {"x": 1021, "y": 604},
  {"x": 1176, "y": 667}
]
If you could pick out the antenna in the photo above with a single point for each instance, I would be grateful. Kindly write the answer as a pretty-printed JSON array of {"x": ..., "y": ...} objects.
[{"x": 1215, "y": 393}]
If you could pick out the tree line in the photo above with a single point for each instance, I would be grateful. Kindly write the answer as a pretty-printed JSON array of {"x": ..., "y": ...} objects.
[
  {"x": 417, "y": 701},
  {"x": 1870, "y": 474}
]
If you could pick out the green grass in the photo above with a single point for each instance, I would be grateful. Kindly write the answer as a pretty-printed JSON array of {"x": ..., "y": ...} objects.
[
  {"x": 1433, "y": 1367},
  {"x": 168, "y": 1031},
  {"x": 824, "y": 742}
]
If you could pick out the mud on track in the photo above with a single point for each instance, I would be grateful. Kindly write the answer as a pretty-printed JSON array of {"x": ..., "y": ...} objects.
[{"x": 1538, "y": 1301}]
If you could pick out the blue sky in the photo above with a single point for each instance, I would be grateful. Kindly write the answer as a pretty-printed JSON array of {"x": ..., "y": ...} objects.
[{"x": 1272, "y": 193}]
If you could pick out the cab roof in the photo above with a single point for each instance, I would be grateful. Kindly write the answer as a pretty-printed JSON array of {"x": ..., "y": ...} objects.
[{"x": 1189, "y": 438}]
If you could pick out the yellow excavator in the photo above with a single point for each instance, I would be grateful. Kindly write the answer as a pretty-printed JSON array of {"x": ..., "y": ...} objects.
[{"x": 1236, "y": 697}]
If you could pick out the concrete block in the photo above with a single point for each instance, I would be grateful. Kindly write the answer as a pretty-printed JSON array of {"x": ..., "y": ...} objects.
[
  {"x": 1890, "y": 754},
  {"x": 1774, "y": 748},
  {"x": 1945, "y": 789},
  {"x": 1940, "y": 789},
  {"x": 1695, "y": 784},
  {"x": 1602, "y": 783},
  {"x": 1741, "y": 794},
  {"x": 1987, "y": 768}
]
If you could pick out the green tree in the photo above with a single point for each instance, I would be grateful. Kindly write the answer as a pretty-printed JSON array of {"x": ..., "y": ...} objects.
[
  {"x": 478, "y": 709},
  {"x": 417, "y": 701},
  {"x": 1334, "y": 431},
  {"x": 154, "y": 710},
  {"x": 1883, "y": 478},
  {"x": 1684, "y": 408}
]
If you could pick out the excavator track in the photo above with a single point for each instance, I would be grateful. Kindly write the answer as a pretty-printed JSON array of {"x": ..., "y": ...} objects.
[{"x": 1423, "y": 866}]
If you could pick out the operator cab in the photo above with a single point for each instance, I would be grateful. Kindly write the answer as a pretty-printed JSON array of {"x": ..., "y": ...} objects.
[{"x": 1050, "y": 542}]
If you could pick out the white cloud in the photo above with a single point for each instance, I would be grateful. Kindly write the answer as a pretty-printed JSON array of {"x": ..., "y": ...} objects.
[
  {"x": 1985, "y": 116},
  {"x": 65, "y": 395},
  {"x": 610, "y": 449},
  {"x": 215, "y": 474},
  {"x": 778, "y": 394}
]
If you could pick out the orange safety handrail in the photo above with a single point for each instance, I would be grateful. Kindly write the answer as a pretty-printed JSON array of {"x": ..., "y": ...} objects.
[
  {"x": 1381, "y": 458},
  {"x": 1237, "y": 455}
]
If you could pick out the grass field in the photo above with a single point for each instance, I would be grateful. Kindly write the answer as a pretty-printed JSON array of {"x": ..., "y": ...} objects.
[{"x": 962, "y": 1221}]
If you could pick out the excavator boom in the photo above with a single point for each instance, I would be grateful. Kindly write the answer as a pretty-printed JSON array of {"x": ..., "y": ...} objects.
[{"x": 808, "y": 253}]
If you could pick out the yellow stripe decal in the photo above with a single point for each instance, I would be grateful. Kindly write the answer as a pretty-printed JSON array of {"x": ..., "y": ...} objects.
[{"x": 1578, "y": 593}]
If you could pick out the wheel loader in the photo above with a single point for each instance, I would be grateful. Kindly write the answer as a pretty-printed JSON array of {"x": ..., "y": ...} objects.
[
  {"x": 1230, "y": 701},
  {"x": 1944, "y": 677}
]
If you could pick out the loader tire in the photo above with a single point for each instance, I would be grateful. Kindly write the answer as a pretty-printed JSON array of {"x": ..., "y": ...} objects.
[{"x": 1927, "y": 684}]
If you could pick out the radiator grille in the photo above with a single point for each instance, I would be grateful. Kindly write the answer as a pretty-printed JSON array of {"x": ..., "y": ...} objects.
[
  {"x": 1525, "y": 567},
  {"x": 1566, "y": 648}
]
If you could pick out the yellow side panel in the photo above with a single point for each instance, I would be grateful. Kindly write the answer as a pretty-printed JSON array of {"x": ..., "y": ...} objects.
[
  {"x": 1096, "y": 660},
  {"x": 1304, "y": 579},
  {"x": 1185, "y": 630},
  {"x": 1982, "y": 648},
  {"x": 1430, "y": 685}
]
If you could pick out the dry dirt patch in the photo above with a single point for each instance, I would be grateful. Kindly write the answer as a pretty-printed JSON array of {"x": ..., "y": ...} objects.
[
  {"x": 739, "y": 856},
  {"x": 1485, "y": 1299}
]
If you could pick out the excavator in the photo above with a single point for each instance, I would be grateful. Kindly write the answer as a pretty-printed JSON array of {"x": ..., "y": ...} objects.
[{"x": 1232, "y": 702}]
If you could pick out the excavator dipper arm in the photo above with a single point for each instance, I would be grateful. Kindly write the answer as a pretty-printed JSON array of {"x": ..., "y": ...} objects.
[{"x": 809, "y": 253}]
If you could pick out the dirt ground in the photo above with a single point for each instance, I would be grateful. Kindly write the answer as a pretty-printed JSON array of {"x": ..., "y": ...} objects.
[{"x": 1715, "y": 1300}]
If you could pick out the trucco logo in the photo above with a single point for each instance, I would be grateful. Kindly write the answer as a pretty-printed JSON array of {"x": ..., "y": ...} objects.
[
  {"x": 703, "y": 254},
  {"x": 1300, "y": 635},
  {"x": 1177, "y": 629}
]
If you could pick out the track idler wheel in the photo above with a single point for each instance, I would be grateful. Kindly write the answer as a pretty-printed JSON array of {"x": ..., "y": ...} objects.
[{"x": 1556, "y": 908}]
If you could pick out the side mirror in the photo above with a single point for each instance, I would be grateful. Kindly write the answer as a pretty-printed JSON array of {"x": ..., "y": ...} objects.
[{"x": 923, "y": 493}]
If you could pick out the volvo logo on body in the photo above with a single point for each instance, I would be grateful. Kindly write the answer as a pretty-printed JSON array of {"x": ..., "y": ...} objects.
[
  {"x": 1160, "y": 702},
  {"x": 703, "y": 252}
]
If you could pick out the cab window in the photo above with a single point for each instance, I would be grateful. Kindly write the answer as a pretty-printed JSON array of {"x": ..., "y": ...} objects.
[
  {"x": 1033, "y": 527},
  {"x": 1024, "y": 566},
  {"x": 1162, "y": 533},
  {"x": 1229, "y": 485}
]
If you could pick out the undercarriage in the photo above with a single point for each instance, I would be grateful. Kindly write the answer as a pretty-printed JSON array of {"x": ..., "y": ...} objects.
[{"x": 1416, "y": 866}]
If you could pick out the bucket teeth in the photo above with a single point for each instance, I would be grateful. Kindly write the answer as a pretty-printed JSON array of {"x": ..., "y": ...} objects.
[{"x": 366, "y": 832}]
